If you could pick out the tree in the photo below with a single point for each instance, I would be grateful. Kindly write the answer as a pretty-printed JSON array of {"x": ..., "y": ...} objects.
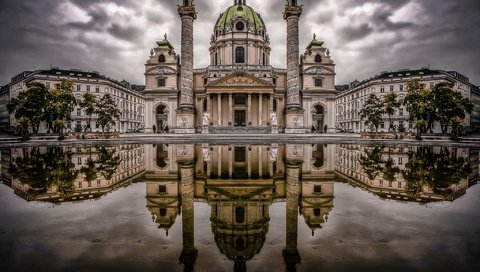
[
  {"x": 29, "y": 106},
  {"x": 61, "y": 105},
  {"x": 450, "y": 105},
  {"x": 420, "y": 106},
  {"x": 89, "y": 103},
  {"x": 372, "y": 111},
  {"x": 390, "y": 103},
  {"x": 108, "y": 162},
  {"x": 107, "y": 111}
]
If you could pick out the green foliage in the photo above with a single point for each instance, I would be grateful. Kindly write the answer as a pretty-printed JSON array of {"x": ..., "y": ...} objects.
[
  {"x": 89, "y": 103},
  {"x": 390, "y": 103},
  {"x": 107, "y": 111},
  {"x": 30, "y": 105},
  {"x": 450, "y": 105},
  {"x": 372, "y": 111},
  {"x": 420, "y": 106},
  {"x": 62, "y": 103},
  {"x": 106, "y": 164}
]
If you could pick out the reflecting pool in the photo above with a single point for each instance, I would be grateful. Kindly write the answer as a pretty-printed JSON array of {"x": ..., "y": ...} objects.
[{"x": 277, "y": 207}]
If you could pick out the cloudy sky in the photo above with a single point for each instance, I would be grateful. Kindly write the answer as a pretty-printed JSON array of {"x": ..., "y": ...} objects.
[{"x": 114, "y": 37}]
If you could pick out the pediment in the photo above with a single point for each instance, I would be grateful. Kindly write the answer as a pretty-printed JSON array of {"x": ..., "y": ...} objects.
[
  {"x": 240, "y": 80},
  {"x": 318, "y": 70},
  {"x": 161, "y": 70}
]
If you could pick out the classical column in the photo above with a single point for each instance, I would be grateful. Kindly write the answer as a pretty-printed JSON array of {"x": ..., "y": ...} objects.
[
  {"x": 230, "y": 162},
  {"x": 290, "y": 253},
  {"x": 260, "y": 170},
  {"x": 186, "y": 109},
  {"x": 249, "y": 162},
  {"x": 260, "y": 109},
  {"x": 189, "y": 253},
  {"x": 219, "y": 165},
  {"x": 209, "y": 106},
  {"x": 293, "y": 109},
  {"x": 249, "y": 109},
  {"x": 219, "y": 109},
  {"x": 230, "y": 109}
]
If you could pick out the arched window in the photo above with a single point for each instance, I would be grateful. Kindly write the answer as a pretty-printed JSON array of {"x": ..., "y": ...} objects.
[
  {"x": 240, "y": 26},
  {"x": 240, "y": 55},
  {"x": 161, "y": 58},
  {"x": 318, "y": 58}
]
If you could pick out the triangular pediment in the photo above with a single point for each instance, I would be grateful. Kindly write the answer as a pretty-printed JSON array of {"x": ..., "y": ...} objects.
[{"x": 240, "y": 80}]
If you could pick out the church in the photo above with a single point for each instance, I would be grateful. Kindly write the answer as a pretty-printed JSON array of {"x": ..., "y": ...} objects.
[{"x": 240, "y": 92}]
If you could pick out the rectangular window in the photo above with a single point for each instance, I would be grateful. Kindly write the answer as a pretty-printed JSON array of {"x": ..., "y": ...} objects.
[
  {"x": 240, "y": 100},
  {"x": 400, "y": 161},
  {"x": 162, "y": 189},
  {"x": 400, "y": 112},
  {"x": 79, "y": 185},
  {"x": 97, "y": 89},
  {"x": 240, "y": 154},
  {"x": 161, "y": 82},
  {"x": 240, "y": 214},
  {"x": 382, "y": 89},
  {"x": 399, "y": 185},
  {"x": 79, "y": 160},
  {"x": 79, "y": 87},
  {"x": 401, "y": 88},
  {"x": 79, "y": 112},
  {"x": 98, "y": 183},
  {"x": 317, "y": 189},
  {"x": 318, "y": 82},
  {"x": 88, "y": 88},
  {"x": 391, "y": 88},
  {"x": 381, "y": 183}
]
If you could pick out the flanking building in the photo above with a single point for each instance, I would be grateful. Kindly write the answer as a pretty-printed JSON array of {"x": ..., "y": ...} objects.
[
  {"x": 4, "y": 115},
  {"x": 350, "y": 100},
  {"x": 127, "y": 98}
]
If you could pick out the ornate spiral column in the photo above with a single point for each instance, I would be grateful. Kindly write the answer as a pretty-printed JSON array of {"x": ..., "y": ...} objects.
[
  {"x": 293, "y": 110},
  {"x": 290, "y": 253},
  {"x": 186, "y": 109}
]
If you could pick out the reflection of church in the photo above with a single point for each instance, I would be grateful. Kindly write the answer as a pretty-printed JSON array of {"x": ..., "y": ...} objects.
[
  {"x": 239, "y": 182},
  {"x": 240, "y": 91}
]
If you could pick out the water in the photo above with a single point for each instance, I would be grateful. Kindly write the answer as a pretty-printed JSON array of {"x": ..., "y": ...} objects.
[{"x": 240, "y": 208}]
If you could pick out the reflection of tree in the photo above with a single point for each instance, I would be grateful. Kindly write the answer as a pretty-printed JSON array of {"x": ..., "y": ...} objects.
[
  {"x": 438, "y": 171},
  {"x": 41, "y": 171},
  {"x": 425, "y": 168},
  {"x": 371, "y": 162},
  {"x": 106, "y": 164}
]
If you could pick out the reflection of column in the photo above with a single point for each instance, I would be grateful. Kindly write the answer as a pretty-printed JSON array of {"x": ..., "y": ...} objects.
[
  {"x": 249, "y": 109},
  {"x": 230, "y": 163},
  {"x": 189, "y": 253},
  {"x": 290, "y": 253}
]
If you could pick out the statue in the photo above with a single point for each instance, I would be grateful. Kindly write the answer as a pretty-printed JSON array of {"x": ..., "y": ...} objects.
[
  {"x": 273, "y": 153},
  {"x": 206, "y": 153},
  {"x": 273, "y": 119},
  {"x": 206, "y": 119},
  {"x": 152, "y": 53}
]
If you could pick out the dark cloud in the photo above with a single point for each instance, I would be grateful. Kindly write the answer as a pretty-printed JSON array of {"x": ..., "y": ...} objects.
[{"x": 115, "y": 36}]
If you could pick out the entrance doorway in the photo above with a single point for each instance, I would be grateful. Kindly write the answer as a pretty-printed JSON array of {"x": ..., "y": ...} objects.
[{"x": 240, "y": 118}]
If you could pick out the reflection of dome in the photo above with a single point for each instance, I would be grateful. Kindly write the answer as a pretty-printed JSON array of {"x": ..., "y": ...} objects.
[
  {"x": 238, "y": 12},
  {"x": 240, "y": 243}
]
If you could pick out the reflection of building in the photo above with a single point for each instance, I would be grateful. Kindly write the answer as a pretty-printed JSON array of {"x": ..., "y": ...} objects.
[
  {"x": 391, "y": 180},
  {"x": 127, "y": 98},
  {"x": 240, "y": 90},
  {"x": 349, "y": 102},
  {"x": 35, "y": 172},
  {"x": 240, "y": 182}
]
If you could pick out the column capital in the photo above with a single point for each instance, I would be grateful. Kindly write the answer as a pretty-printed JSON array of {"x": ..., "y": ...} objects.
[
  {"x": 187, "y": 11},
  {"x": 290, "y": 11}
]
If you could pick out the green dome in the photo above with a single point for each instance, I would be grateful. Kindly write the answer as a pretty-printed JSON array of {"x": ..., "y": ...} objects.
[{"x": 240, "y": 12}]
